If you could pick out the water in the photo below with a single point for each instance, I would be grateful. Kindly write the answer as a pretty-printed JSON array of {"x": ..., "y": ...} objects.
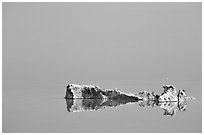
[
  {"x": 113, "y": 40},
  {"x": 39, "y": 106}
]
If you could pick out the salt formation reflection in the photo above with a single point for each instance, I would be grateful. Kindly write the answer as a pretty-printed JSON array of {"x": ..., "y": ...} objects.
[
  {"x": 169, "y": 108},
  {"x": 79, "y": 105}
]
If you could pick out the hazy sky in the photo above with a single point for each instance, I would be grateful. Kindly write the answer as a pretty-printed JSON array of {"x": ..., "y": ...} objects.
[{"x": 100, "y": 41}]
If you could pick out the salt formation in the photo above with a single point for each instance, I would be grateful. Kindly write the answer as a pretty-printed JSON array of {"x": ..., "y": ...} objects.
[
  {"x": 169, "y": 94},
  {"x": 94, "y": 92}
]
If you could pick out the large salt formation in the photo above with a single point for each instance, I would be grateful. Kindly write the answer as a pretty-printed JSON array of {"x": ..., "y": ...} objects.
[{"x": 94, "y": 92}]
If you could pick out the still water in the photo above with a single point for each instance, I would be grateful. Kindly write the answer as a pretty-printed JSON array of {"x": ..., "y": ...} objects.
[{"x": 39, "y": 106}]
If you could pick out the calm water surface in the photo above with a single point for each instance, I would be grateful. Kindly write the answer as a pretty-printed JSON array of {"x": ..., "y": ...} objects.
[{"x": 39, "y": 106}]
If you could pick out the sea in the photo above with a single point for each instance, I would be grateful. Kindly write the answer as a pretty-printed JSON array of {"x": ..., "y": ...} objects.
[{"x": 40, "y": 107}]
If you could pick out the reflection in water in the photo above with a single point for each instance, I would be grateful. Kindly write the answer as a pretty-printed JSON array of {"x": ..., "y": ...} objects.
[
  {"x": 169, "y": 108},
  {"x": 77, "y": 105}
]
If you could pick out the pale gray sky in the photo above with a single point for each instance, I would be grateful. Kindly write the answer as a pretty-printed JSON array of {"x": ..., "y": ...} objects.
[{"x": 100, "y": 41}]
